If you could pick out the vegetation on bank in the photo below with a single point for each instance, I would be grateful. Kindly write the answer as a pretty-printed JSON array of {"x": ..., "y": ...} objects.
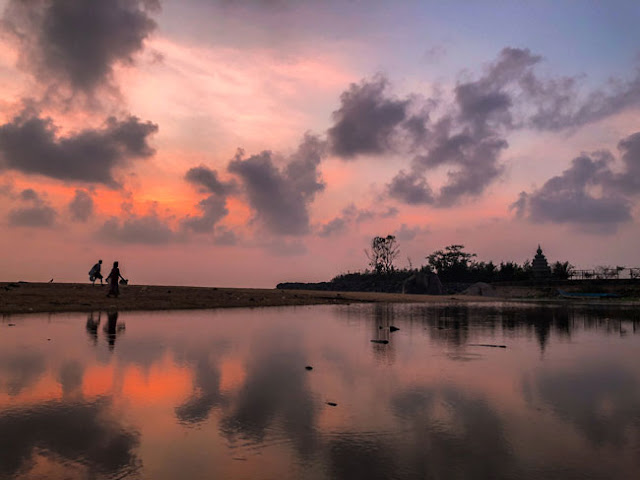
[{"x": 455, "y": 268}]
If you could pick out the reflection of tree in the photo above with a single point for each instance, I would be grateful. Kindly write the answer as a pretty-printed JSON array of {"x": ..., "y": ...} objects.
[
  {"x": 448, "y": 325},
  {"x": 76, "y": 432},
  {"x": 383, "y": 315},
  {"x": 275, "y": 390},
  {"x": 453, "y": 325}
]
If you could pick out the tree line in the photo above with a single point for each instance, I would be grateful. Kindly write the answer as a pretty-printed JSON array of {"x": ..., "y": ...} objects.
[{"x": 454, "y": 264}]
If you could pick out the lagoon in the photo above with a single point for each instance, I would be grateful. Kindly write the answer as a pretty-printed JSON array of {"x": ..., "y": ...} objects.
[{"x": 485, "y": 390}]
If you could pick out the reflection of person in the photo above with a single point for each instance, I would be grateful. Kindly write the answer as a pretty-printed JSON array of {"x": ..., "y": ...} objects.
[
  {"x": 113, "y": 279},
  {"x": 94, "y": 273},
  {"x": 110, "y": 328},
  {"x": 92, "y": 326}
]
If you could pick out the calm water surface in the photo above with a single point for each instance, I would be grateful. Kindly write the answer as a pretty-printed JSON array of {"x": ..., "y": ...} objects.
[{"x": 225, "y": 394}]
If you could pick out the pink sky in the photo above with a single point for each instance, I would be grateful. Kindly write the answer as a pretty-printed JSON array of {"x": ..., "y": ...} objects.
[{"x": 117, "y": 120}]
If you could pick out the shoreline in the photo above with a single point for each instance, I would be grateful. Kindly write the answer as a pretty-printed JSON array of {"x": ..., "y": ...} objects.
[{"x": 27, "y": 297}]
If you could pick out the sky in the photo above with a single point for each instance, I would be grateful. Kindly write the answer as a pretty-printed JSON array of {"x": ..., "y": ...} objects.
[{"x": 246, "y": 143}]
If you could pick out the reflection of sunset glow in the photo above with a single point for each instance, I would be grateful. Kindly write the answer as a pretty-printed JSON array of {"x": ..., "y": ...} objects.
[
  {"x": 232, "y": 374},
  {"x": 98, "y": 380},
  {"x": 231, "y": 389},
  {"x": 162, "y": 383},
  {"x": 45, "y": 389}
]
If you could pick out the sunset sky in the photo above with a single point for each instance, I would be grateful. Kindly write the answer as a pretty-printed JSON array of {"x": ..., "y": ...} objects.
[{"x": 245, "y": 143}]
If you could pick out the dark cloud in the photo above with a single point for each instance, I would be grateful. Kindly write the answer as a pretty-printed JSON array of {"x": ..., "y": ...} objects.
[
  {"x": 350, "y": 215},
  {"x": 367, "y": 120},
  {"x": 285, "y": 248},
  {"x": 470, "y": 139},
  {"x": 629, "y": 180},
  {"x": 29, "y": 195},
  {"x": 590, "y": 193},
  {"x": 224, "y": 236},
  {"x": 407, "y": 233},
  {"x": 81, "y": 207},
  {"x": 34, "y": 216},
  {"x": 213, "y": 209},
  {"x": 486, "y": 102},
  {"x": 36, "y": 213},
  {"x": 470, "y": 136},
  {"x": 559, "y": 104},
  {"x": 520, "y": 205},
  {"x": 280, "y": 197},
  {"x": 77, "y": 43},
  {"x": 411, "y": 188},
  {"x": 478, "y": 168},
  {"x": 207, "y": 180},
  {"x": 353, "y": 213},
  {"x": 147, "y": 229},
  {"x": 30, "y": 145},
  {"x": 390, "y": 212},
  {"x": 550, "y": 103},
  {"x": 333, "y": 227}
]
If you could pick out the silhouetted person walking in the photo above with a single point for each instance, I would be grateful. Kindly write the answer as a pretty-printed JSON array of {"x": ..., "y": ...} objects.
[
  {"x": 113, "y": 279},
  {"x": 95, "y": 274}
]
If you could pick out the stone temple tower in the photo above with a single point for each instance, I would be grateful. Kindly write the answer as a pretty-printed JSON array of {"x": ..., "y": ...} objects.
[{"x": 540, "y": 266}]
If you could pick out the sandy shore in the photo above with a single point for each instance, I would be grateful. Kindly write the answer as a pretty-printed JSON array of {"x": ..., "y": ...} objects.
[
  {"x": 26, "y": 297},
  {"x": 19, "y": 297}
]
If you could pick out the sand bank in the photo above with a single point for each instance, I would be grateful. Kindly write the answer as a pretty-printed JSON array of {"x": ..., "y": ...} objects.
[
  {"x": 26, "y": 297},
  {"x": 20, "y": 297}
]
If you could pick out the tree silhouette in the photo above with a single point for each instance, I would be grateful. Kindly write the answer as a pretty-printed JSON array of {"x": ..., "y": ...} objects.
[
  {"x": 561, "y": 270},
  {"x": 452, "y": 262},
  {"x": 381, "y": 254}
]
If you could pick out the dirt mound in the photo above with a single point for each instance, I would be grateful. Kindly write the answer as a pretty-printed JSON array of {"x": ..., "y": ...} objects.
[{"x": 481, "y": 289}]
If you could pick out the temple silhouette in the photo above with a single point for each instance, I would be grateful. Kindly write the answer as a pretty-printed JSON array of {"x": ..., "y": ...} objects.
[{"x": 540, "y": 267}]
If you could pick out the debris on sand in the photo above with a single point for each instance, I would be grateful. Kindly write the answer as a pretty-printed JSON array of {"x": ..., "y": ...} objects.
[
  {"x": 384, "y": 342},
  {"x": 333, "y": 404},
  {"x": 308, "y": 367},
  {"x": 393, "y": 329},
  {"x": 486, "y": 345}
]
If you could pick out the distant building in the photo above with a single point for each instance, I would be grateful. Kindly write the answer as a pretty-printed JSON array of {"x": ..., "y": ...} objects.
[{"x": 540, "y": 266}]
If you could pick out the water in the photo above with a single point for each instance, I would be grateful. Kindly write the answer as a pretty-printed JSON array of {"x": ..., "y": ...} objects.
[{"x": 225, "y": 394}]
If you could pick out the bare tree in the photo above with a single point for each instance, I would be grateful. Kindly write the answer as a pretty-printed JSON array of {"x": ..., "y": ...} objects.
[{"x": 382, "y": 252}]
